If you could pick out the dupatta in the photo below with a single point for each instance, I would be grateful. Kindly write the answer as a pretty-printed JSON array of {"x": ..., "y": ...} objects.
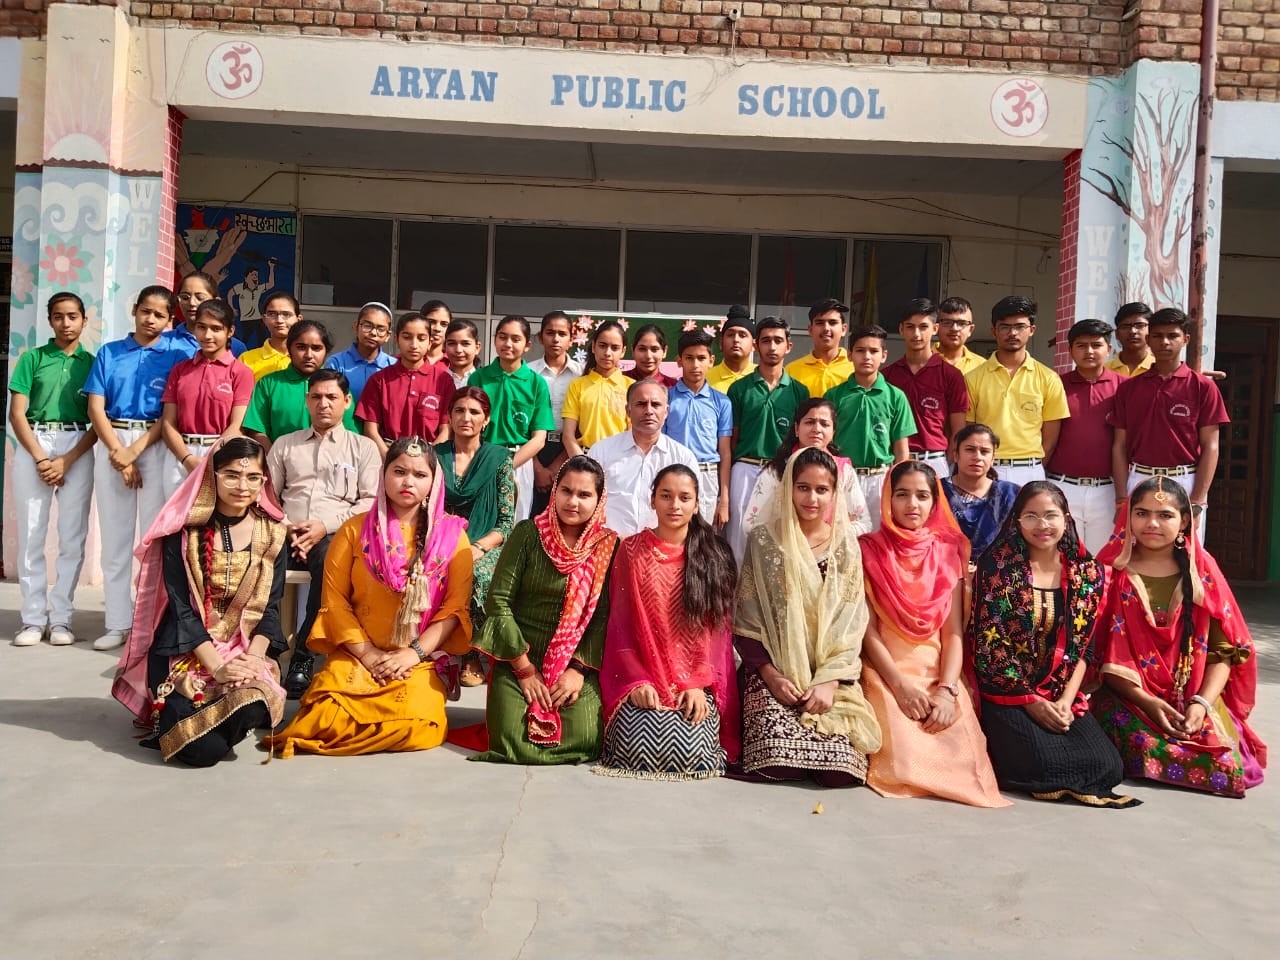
[
  {"x": 1134, "y": 646},
  {"x": 651, "y": 641},
  {"x": 474, "y": 495},
  {"x": 585, "y": 566},
  {"x": 420, "y": 579},
  {"x": 810, "y": 625},
  {"x": 911, "y": 575},
  {"x": 1009, "y": 665},
  {"x": 187, "y": 512}
]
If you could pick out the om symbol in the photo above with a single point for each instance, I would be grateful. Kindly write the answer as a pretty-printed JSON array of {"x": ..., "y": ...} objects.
[
  {"x": 1019, "y": 107},
  {"x": 234, "y": 69}
]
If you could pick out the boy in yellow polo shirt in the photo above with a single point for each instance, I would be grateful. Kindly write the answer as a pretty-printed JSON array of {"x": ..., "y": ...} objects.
[
  {"x": 1018, "y": 397},
  {"x": 737, "y": 343},
  {"x": 955, "y": 327},
  {"x": 829, "y": 364}
]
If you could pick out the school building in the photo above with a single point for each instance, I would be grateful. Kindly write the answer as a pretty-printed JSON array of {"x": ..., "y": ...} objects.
[{"x": 670, "y": 156}]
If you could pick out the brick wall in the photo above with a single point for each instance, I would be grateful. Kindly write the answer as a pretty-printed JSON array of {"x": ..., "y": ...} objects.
[
  {"x": 26, "y": 18},
  {"x": 1090, "y": 36},
  {"x": 169, "y": 195},
  {"x": 1068, "y": 249}
]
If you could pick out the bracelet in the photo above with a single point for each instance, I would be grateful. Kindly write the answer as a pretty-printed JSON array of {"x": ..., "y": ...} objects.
[
  {"x": 951, "y": 688},
  {"x": 1208, "y": 707},
  {"x": 416, "y": 647},
  {"x": 481, "y": 547},
  {"x": 525, "y": 674}
]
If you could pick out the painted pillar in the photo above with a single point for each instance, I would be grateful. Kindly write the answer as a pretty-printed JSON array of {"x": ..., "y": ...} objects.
[
  {"x": 95, "y": 183},
  {"x": 1130, "y": 228}
]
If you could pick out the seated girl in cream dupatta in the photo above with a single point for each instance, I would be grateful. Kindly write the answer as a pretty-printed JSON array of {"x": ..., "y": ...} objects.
[
  {"x": 800, "y": 621},
  {"x": 196, "y": 669}
]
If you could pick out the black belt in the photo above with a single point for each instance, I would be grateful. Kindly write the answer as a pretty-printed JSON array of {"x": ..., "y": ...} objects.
[
  {"x": 133, "y": 424},
  {"x": 871, "y": 471},
  {"x": 754, "y": 461},
  {"x": 55, "y": 425},
  {"x": 1020, "y": 462},
  {"x": 201, "y": 439}
]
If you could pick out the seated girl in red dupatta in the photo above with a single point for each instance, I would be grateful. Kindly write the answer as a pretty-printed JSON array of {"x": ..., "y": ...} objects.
[
  {"x": 545, "y": 628},
  {"x": 196, "y": 667},
  {"x": 397, "y": 581},
  {"x": 914, "y": 568},
  {"x": 1177, "y": 660},
  {"x": 670, "y": 696},
  {"x": 801, "y": 617},
  {"x": 1036, "y": 595}
]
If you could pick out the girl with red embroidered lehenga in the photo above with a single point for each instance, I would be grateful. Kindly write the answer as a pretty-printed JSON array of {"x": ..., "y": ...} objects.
[
  {"x": 1036, "y": 595},
  {"x": 914, "y": 567},
  {"x": 1178, "y": 665},
  {"x": 196, "y": 668},
  {"x": 670, "y": 700}
]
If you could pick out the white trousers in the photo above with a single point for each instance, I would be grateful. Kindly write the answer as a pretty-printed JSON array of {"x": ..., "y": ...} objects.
[
  {"x": 872, "y": 486},
  {"x": 1021, "y": 475},
  {"x": 708, "y": 492},
  {"x": 742, "y": 481},
  {"x": 122, "y": 515},
  {"x": 41, "y": 605},
  {"x": 175, "y": 472},
  {"x": 1094, "y": 511},
  {"x": 524, "y": 490},
  {"x": 1187, "y": 482}
]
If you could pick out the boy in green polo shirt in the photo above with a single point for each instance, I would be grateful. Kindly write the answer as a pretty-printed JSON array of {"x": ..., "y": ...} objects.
[
  {"x": 50, "y": 421},
  {"x": 521, "y": 405},
  {"x": 764, "y": 404},
  {"x": 873, "y": 417}
]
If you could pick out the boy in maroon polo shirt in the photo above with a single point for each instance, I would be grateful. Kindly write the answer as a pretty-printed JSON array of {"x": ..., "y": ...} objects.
[
  {"x": 1081, "y": 461},
  {"x": 205, "y": 397},
  {"x": 411, "y": 398},
  {"x": 934, "y": 388},
  {"x": 1167, "y": 419}
]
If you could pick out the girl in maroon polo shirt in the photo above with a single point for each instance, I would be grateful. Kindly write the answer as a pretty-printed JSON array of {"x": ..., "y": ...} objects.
[{"x": 411, "y": 398}]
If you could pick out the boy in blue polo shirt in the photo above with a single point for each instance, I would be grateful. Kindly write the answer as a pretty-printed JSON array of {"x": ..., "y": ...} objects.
[
  {"x": 702, "y": 419},
  {"x": 124, "y": 393},
  {"x": 50, "y": 423}
]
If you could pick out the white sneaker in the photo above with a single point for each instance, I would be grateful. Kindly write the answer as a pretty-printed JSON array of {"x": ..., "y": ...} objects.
[
  {"x": 28, "y": 636},
  {"x": 111, "y": 639},
  {"x": 61, "y": 636}
]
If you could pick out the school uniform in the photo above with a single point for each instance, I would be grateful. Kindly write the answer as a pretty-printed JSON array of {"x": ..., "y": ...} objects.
[
  {"x": 934, "y": 392},
  {"x": 721, "y": 377},
  {"x": 1119, "y": 366},
  {"x": 819, "y": 376},
  {"x": 1081, "y": 462},
  {"x": 869, "y": 421},
  {"x": 1016, "y": 407},
  {"x": 763, "y": 418},
  {"x": 520, "y": 406},
  {"x": 460, "y": 380},
  {"x": 1162, "y": 417},
  {"x": 58, "y": 414},
  {"x": 352, "y": 364},
  {"x": 131, "y": 380},
  {"x": 967, "y": 360},
  {"x": 557, "y": 388},
  {"x": 204, "y": 392},
  {"x": 279, "y": 406},
  {"x": 264, "y": 360},
  {"x": 183, "y": 340},
  {"x": 598, "y": 404},
  {"x": 698, "y": 420},
  {"x": 407, "y": 403}
]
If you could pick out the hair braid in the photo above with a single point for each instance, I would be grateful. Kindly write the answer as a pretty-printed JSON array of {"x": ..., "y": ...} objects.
[
  {"x": 1186, "y": 616},
  {"x": 207, "y": 534}
]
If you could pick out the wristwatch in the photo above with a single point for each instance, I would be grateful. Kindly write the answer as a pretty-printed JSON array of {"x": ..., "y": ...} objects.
[
  {"x": 951, "y": 688},
  {"x": 1197, "y": 509}
]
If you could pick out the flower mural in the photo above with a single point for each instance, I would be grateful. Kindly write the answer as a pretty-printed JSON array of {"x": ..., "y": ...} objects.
[
  {"x": 65, "y": 264},
  {"x": 24, "y": 284}
]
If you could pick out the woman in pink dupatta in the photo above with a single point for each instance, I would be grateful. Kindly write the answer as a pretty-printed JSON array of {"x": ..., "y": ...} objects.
[
  {"x": 397, "y": 581},
  {"x": 670, "y": 692},
  {"x": 196, "y": 670}
]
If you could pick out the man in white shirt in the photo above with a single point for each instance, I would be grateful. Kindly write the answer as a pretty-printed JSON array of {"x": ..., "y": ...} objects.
[{"x": 632, "y": 459}]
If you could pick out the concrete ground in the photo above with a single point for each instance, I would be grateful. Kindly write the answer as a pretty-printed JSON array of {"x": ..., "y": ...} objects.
[{"x": 107, "y": 853}]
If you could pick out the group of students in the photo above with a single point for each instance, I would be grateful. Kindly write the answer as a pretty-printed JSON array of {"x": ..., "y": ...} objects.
[{"x": 483, "y": 540}]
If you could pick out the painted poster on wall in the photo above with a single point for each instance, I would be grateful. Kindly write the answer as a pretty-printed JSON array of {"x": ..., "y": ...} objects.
[{"x": 248, "y": 251}]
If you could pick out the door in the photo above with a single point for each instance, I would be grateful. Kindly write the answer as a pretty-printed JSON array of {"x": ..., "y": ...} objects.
[{"x": 1240, "y": 498}]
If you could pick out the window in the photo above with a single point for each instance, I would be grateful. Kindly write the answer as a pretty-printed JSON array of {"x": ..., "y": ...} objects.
[
  {"x": 794, "y": 272},
  {"x": 694, "y": 273},
  {"x": 888, "y": 273},
  {"x": 346, "y": 261},
  {"x": 442, "y": 261},
  {"x": 538, "y": 269}
]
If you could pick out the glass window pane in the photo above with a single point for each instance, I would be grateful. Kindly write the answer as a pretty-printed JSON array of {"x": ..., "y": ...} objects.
[
  {"x": 888, "y": 273},
  {"x": 794, "y": 272},
  {"x": 346, "y": 261},
  {"x": 442, "y": 261},
  {"x": 694, "y": 273},
  {"x": 538, "y": 269}
]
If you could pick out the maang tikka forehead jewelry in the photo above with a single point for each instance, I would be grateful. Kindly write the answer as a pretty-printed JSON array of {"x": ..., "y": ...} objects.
[{"x": 1160, "y": 495}]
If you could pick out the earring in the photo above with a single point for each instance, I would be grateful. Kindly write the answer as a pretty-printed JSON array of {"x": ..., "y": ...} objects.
[{"x": 1180, "y": 540}]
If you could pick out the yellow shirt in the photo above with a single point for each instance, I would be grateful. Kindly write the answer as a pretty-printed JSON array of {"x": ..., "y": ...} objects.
[
  {"x": 1118, "y": 365},
  {"x": 968, "y": 359},
  {"x": 1016, "y": 407},
  {"x": 263, "y": 360},
  {"x": 722, "y": 378},
  {"x": 599, "y": 404},
  {"x": 819, "y": 376}
]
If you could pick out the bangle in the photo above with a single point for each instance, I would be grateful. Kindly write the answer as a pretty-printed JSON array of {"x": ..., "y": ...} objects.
[
  {"x": 45, "y": 460},
  {"x": 416, "y": 647},
  {"x": 526, "y": 673},
  {"x": 1208, "y": 707}
]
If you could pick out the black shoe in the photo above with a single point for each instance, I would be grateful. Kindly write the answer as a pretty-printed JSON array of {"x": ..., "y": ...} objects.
[{"x": 299, "y": 677}]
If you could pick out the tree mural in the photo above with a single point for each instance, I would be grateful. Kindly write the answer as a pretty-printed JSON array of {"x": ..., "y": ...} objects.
[{"x": 1149, "y": 188}]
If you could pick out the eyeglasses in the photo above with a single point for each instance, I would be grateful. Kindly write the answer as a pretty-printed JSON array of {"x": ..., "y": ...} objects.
[
  {"x": 1133, "y": 326},
  {"x": 188, "y": 297},
  {"x": 279, "y": 315},
  {"x": 1012, "y": 327},
  {"x": 955, "y": 324},
  {"x": 372, "y": 330},
  {"x": 249, "y": 480},
  {"x": 1050, "y": 519}
]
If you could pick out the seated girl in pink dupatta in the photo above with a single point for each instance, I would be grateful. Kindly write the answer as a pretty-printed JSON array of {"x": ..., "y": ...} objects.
[
  {"x": 196, "y": 667},
  {"x": 1177, "y": 660},
  {"x": 670, "y": 694},
  {"x": 397, "y": 581}
]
